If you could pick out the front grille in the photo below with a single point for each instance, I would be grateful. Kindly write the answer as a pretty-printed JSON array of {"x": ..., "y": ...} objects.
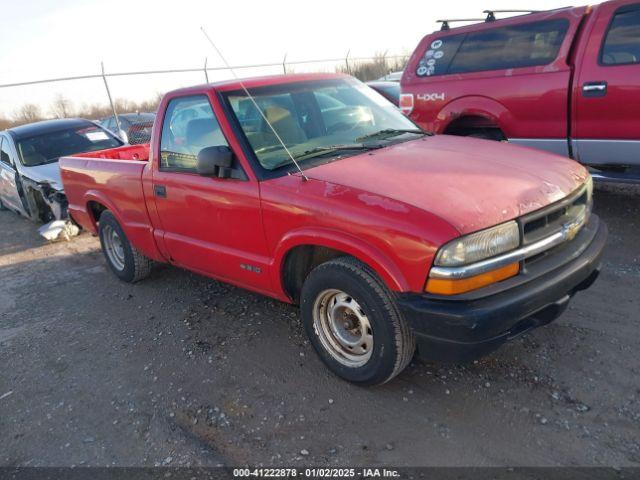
[{"x": 554, "y": 218}]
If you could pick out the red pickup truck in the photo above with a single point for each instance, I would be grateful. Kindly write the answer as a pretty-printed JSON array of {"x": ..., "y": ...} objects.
[
  {"x": 386, "y": 236},
  {"x": 566, "y": 81}
]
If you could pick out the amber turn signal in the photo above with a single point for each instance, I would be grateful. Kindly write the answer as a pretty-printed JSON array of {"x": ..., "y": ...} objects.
[{"x": 445, "y": 286}]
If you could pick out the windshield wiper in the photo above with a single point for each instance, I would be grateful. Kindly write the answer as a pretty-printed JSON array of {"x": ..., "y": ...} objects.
[
  {"x": 316, "y": 152},
  {"x": 390, "y": 132}
]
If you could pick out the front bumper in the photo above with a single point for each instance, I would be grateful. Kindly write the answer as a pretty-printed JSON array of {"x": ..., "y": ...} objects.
[{"x": 471, "y": 325}]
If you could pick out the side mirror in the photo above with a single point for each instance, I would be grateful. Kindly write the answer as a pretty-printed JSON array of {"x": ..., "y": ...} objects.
[{"x": 215, "y": 162}]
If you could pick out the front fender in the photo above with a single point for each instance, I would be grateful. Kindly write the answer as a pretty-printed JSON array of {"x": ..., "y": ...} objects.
[{"x": 344, "y": 242}]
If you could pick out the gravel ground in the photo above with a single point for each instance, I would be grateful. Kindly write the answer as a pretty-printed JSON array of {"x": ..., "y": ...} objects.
[{"x": 182, "y": 370}]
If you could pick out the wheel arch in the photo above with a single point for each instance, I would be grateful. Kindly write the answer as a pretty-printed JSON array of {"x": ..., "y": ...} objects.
[
  {"x": 140, "y": 235},
  {"x": 474, "y": 111},
  {"x": 301, "y": 251},
  {"x": 95, "y": 204}
]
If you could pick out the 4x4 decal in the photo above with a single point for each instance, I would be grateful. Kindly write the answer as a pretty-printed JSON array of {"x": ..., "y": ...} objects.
[{"x": 430, "y": 97}]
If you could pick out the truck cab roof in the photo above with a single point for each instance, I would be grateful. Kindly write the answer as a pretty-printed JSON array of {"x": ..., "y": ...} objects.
[{"x": 255, "y": 82}]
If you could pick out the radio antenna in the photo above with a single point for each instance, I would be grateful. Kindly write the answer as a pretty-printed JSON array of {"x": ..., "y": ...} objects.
[{"x": 255, "y": 104}]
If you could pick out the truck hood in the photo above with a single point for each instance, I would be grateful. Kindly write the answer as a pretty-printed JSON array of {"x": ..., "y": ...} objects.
[
  {"x": 49, "y": 173},
  {"x": 472, "y": 184}
]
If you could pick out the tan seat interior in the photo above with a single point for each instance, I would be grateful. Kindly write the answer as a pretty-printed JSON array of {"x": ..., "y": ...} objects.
[{"x": 283, "y": 122}]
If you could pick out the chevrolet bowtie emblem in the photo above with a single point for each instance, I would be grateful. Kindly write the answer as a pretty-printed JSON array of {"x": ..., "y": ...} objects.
[{"x": 570, "y": 230}]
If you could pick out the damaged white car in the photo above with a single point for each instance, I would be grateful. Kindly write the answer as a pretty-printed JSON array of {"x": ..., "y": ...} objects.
[{"x": 29, "y": 175}]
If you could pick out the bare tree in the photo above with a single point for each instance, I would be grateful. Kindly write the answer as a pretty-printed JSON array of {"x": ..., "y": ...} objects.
[
  {"x": 62, "y": 107},
  {"x": 28, "y": 113},
  {"x": 96, "y": 111},
  {"x": 374, "y": 68},
  {"x": 150, "y": 105}
]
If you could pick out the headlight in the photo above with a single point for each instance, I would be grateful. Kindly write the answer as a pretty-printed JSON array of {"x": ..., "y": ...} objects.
[{"x": 479, "y": 246}]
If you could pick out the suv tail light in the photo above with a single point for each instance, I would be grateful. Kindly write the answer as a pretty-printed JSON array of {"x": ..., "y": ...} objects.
[{"x": 406, "y": 103}]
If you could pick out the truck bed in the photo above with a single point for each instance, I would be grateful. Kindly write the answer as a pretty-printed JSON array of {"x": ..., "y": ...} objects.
[
  {"x": 126, "y": 152},
  {"x": 109, "y": 179}
]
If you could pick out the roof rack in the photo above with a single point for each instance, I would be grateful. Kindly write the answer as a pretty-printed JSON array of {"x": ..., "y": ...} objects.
[
  {"x": 491, "y": 17},
  {"x": 445, "y": 23}
]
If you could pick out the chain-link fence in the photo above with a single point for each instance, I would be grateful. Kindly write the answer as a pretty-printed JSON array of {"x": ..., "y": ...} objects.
[{"x": 126, "y": 101}]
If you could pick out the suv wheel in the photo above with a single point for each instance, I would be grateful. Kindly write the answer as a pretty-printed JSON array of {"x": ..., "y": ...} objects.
[
  {"x": 353, "y": 322},
  {"x": 487, "y": 134},
  {"x": 123, "y": 258}
]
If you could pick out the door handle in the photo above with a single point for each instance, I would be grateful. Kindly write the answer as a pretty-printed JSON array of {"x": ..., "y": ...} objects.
[
  {"x": 594, "y": 89},
  {"x": 160, "y": 191}
]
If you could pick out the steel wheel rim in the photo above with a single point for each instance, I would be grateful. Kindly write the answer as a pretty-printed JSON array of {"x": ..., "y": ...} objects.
[
  {"x": 343, "y": 328},
  {"x": 113, "y": 247}
]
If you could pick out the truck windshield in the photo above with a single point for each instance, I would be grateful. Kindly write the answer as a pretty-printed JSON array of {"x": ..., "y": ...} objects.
[
  {"x": 49, "y": 147},
  {"x": 322, "y": 118}
]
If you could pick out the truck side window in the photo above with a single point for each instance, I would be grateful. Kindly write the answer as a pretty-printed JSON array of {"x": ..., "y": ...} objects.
[
  {"x": 526, "y": 45},
  {"x": 438, "y": 55},
  {"x": 189, "y": 126},
  {"x": 622, "y": 43}
]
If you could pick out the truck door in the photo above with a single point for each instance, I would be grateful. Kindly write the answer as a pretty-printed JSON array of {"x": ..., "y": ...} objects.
[
  {"x": 210, "y": 225},
  {"x": 606, "y": 128},
  {"x": 8, "y": 189}
]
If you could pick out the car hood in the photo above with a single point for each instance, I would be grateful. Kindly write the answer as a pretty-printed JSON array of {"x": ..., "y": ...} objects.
[
  {"x": 472, "y": 184},
  {"x": 49, "y": 173}
]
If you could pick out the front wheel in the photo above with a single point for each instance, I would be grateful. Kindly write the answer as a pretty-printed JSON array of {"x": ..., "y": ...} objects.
[
  {"x": 123, "y": 258},
  {"x": 353, "y": 322}
]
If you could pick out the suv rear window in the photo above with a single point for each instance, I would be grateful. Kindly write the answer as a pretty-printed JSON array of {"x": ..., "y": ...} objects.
[{"x": 516, "y": 46}]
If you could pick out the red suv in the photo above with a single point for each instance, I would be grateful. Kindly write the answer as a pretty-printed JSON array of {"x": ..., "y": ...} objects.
[{"x": 566, "y": 81}]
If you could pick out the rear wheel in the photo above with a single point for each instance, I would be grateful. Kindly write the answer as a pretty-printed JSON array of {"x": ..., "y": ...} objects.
[
  {"x": 354, "y": 324},
  {"x": 123, "y": 258},
  {"x": 487, "y": 134}
]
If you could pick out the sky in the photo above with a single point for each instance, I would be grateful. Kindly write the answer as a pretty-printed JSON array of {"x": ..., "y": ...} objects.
[{"x": 42, "y": 39}]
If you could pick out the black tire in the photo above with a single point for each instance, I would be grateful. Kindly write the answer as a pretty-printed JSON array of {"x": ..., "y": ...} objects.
[
  {"x": 134, "y": 266},
  {"x": 393, "y": 340},
  {"x": 2, "y": 207},
  {"x": 487, "y": 134}
]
